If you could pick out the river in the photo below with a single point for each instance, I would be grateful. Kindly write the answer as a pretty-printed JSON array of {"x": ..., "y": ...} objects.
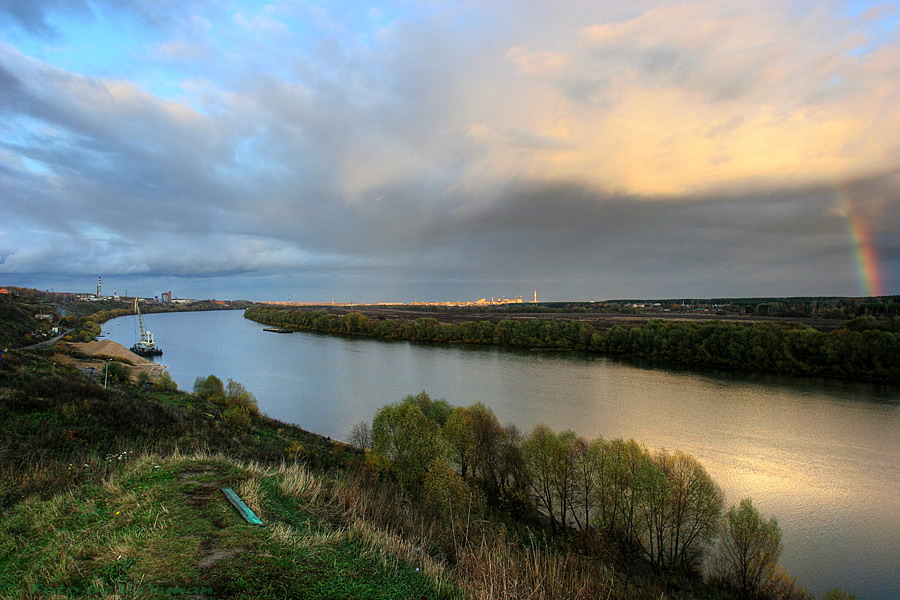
[{"x": 823, "y": 456}]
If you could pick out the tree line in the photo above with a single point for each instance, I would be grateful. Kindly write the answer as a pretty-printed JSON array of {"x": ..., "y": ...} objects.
[
  {"x": 658, "y": 506},
  {"x": 864, "y": 348}
]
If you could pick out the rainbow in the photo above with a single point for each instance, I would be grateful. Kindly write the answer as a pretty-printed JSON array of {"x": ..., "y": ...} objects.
[{"x": 867, "y": 266}]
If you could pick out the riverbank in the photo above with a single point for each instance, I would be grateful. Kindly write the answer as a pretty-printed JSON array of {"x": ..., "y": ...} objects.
[
  {"x": 863, "y": 349},
  {"x": 86, "y": 355},
  {"x": 116, "y": 491}
]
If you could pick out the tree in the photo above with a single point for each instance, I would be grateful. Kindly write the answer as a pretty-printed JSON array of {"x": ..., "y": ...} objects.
[
  {"x": 165, "y": 383},
  {"x": 621, "y": 487},
  {"x": 460, "y": 438},
  {"x": 750, "y": 548},
  {"x": 537, "y": 451},
  {"x": 436, "y": 410},
  {"x": 209, "y": 387},
  {"x": 680, "y": 510},
  {"x": 236, "y": 395},
  {"x": 487, "y": 441},
  {"x": 361, "y": 435},
  {"x": 116, "y": 371},
  {"x": 407, "y": 440},
  {"x": 589, "y": 463}
]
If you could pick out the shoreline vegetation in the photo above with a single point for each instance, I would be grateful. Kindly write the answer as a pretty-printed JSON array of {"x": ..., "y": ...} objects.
[{"x": 863, "y": 348}]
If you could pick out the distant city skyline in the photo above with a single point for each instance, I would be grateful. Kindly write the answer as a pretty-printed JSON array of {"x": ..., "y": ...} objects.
[{"x": 393, "y": 150}]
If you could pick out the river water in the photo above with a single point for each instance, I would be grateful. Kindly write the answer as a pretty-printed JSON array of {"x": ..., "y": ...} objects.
[{"x": 822, "y": 456}]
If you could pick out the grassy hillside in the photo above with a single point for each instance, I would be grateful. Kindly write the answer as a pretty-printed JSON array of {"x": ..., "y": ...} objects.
[
  {"x": 116, "y": 490},
  {"x": 159, "y": 527},
  {"x": 17, "y": 320}
]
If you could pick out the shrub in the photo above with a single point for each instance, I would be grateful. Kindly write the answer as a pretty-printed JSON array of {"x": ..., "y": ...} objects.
[
  {"x": 165, "y": 383},
  {"x": 116, "y": 371},
  {"x": 236, "y": 395},
  {"x": 238, "y": 416},
  {"x": 209, "y": 388}
]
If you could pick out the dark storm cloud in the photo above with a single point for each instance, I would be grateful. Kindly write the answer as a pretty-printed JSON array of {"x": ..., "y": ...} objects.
[{"x": 548, "y": 232}]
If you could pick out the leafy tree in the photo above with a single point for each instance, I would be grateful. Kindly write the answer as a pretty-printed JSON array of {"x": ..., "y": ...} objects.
[
  {"x": 436, "y": 410},
  {"x": 487, "y": 440},
  {"x": 209, "y": 388},
  {"x": 537, "y": 451},
  {"x": 448, "y": 494},
  {"x": 236, "y": 395},
  {"x": 750, "y": 548},
  {"x": 407, "y": 441},
  {"x": 680, "y": 510},
  {"x": 589, "y": 463},
  {"x": 460, "y": 438},
  {"x": 622, "y": 487}
]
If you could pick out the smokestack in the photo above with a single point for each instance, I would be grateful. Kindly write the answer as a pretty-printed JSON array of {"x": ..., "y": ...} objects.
[
  {"x": 535, "y": 296},
  {"x": 99, "y": 286}
]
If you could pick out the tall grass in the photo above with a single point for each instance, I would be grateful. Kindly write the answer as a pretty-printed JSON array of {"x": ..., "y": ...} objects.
[{"x": 480, "y": 556}]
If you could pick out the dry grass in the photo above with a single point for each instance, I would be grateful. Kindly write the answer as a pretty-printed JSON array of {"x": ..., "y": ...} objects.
[
  {"x": 496, "y": 570},
  {"x": 300, "y": 484},
  {"x": 474, "y": 555}
]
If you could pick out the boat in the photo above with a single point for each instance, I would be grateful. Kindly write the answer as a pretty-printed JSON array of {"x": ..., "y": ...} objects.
[
  {"x": 147, "y": 346},
  {"x": 277, "y": 330}
]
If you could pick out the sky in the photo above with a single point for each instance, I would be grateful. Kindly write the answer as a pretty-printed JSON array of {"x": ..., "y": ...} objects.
[{"x": 450, "y": 150}]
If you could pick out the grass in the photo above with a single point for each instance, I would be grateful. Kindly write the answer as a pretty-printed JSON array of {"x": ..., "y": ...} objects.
[{"x": 157, "y": 526}]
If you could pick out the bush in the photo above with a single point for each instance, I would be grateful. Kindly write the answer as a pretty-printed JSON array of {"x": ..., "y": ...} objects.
[
  {"x": 209, "y": 388},
  {"x": 116, "y": 371},
  {"x": 236, "y": 395},
  {"x": 165, "y": 383},
  {"x": 238, "y": 416}
]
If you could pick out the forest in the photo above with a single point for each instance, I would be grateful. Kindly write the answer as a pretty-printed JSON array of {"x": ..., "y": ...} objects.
[{"x": 865, "y": 347}]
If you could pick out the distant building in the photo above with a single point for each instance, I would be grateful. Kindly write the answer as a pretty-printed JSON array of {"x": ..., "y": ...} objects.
[
  {"x": 4, "y": 291},
  {"x": 166, "y": 297}
]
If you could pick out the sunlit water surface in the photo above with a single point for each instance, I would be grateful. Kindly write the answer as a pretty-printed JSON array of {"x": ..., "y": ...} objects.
[{"x": 820, "y": 455}]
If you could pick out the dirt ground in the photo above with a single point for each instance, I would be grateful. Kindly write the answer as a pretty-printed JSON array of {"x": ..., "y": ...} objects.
[
  {"x": 99, "y": 350},
  {"x": 601, "y": 321}
]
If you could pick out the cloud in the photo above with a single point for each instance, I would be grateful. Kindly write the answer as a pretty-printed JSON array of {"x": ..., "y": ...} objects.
[
  {"x": 536, "y": 63},
  {"x": 631, "y": 149}
]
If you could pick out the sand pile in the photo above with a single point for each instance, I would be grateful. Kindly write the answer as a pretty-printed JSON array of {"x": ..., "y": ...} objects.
[{"x": 108, "y": 348}]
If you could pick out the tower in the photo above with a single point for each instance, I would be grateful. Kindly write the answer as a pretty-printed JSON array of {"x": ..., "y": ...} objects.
[
  {"x": 99, "y": 286},
  {"x": 535, "y": 296}
]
